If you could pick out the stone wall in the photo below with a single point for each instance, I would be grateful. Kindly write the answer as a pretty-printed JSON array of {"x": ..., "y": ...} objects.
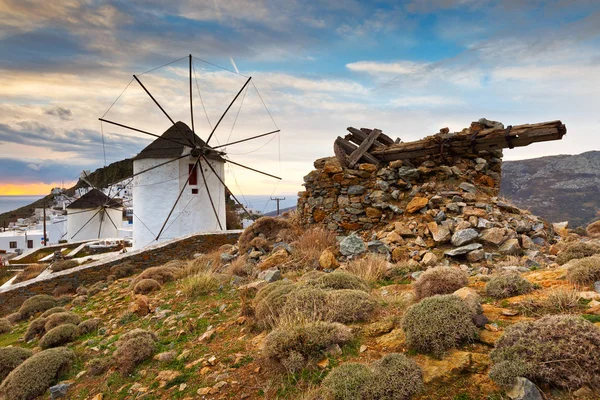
[
  {"x": 361, "y": 199},
  {"x": 183, "y": 248}
]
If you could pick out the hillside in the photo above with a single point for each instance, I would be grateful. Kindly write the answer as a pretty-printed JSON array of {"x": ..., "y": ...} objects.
[{"x": 558, "y": 188}]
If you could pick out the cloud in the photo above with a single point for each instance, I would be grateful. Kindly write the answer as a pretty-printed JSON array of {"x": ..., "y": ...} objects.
[
  {"x": 426, "y": 101},
  {"x": 35, "y": 167},
  {"x": 62, "y": 113},
  {"x": 387, "y": 68}
]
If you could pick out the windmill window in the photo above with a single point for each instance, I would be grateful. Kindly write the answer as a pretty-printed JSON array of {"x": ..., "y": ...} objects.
[
  {"x": 193, "y": 171},
  {"x": 13, "y": 245},
  {"x": 194, "y": 191}
]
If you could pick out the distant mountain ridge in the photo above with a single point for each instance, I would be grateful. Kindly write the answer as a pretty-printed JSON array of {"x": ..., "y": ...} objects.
[{"x": 557, "y": 188}]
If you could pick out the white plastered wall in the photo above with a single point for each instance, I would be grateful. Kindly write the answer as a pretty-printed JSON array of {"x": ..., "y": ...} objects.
[{"x": 155, "y": 192}]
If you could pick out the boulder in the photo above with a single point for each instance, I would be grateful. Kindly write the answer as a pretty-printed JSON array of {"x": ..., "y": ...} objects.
[
  {"x": 430, "y": 259},
  {"x": 278, "y": 257},
  {"x": 468, "y": 187},
  {"x": 416, "y": 204},
  {"x": 327, "y": 260},
  {"x": 463, "y": 250},
  {"x": 352, "y": 245},
  {"x": 510, "y": 247},
  {"x": 593, "y": 230},
  {"x": 494, "y": 236},
  {"x": 466, "y": 236},
  {"x": 524, "y": 389},
  {"x": 270, "y": 275},
  {"x": 440, "y": 233}
]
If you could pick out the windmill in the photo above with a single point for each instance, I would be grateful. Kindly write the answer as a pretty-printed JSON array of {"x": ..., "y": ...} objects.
[
  {"x": 94, "y": 216},
  {"x": 178, "y": 180}
]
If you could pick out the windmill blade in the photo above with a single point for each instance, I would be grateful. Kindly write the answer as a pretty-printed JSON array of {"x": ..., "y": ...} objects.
[
  {"x": 191, "y": 104},
  {"x": 227, "y": 110},
  {"x": 110, "y": 218},
  {"x": 161, "y": 109},
  {"x": 178, "y": 197},
  {"x": 245, "y": 140},
  {"x": 84, "y": 225},
  {"x": 145, "y": 132},
  {"x": 210, "y": 197},
  {"x": 252, "y": 169},
  {"x": 223, "y": 183}
]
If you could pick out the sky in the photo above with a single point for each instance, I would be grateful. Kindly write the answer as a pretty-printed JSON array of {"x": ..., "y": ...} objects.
[{"x": 408, "y": 68}]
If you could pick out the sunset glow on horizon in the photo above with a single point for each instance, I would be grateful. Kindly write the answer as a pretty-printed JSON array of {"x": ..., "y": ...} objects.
[{"x": 30, "y": 189}]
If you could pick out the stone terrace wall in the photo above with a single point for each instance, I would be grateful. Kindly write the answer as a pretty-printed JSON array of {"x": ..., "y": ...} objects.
[
  {"x": 182, "y": 248},
  {"x": 346, "y": 200}
]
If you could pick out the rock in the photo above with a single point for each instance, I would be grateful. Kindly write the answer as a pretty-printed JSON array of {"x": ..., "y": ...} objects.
[
  {"x": 356, "y": 190},
  {"x": 399, "y": 254},
  {"x": 60, "y": 390},
  {"x": 510, "y": 247},
  {"x": 255, "y": 254},
  {"x": 367, "y": 167},
  {"x": 327, "y": 260},
  {"x": 352, "y": 245},
  {"x": 463, "y": 250},
  {"x": 394, "y": 237},
  {"x": 372, "y": 212},
  {"x": 408, "y": 173},
  {"x": 466, "y": 236},
  {"x": 416, "y": 204},
  {"x": 270, "y": 275},
  {"x": 597, "y": 286},
  {"x": 562, "y": 228},
  {"x": 526, "y": 242},
  {"x": 140, "y": 306},
  {"x": 494, "y": 236},
  {"x": 378, "y": 328},
  {"x": 593, "y": 230},
  {"x": 453, "y": 364},
  {"x": 440, "y": 233},
  {"x": 468, "y": 187},
  {"x": 476, "y": 255},
  {"x": 480, "y": 320},
  {"x": 429, "y": 260},
  {"x": 332, "y": 166},
  {"x": 471, "y": 298},
  {"x": 524, "y": 389},
  {"x": 166, "y": 356},
  {"x": 279, "y": 257}
]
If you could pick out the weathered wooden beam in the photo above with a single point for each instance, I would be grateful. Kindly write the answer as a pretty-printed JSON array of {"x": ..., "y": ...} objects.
[
  {"x": 357, "y": 136},
  {"x": 383, "y": 138},
  {"x": 363, "y": 148},
  {"x": 349, "y": 148},
  {"x": 340, "y": 154}
]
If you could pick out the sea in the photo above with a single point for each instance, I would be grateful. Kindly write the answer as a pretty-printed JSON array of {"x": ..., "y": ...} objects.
[{"x": 9, "y": 203}]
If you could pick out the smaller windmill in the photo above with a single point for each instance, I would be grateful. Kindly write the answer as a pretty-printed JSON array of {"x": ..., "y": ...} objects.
[{"x": 94, "y": 216}]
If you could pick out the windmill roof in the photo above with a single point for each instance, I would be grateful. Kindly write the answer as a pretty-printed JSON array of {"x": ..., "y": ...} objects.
[
  {"x": 179, "y": 132},
  {"x": 94, "y": 199}
]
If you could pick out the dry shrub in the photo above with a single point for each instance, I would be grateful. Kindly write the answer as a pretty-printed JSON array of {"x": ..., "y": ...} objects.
[
  {"x": 508, "y": 284},
  {"x": 210, "y": 262},
  {"x": 97, "y": 288},
  {"x": 63, "y": 265},
  {"x": 98, "y": 366},
  {"x": 347, "y": 381},
  {"x": 593, "y": 229},
  {"x": 5, "y": 326},
  {"x": 306, "y": 303},
  {"x": 123, "y": 270},
  {"x": 240, "y": 267},
  {"x": 36, "y": 374},
  {"x": 339, "y": 280},
  {"x": 36, "y": 328},
  {"x": 11, "y": 358},
  {"x": 395, "y": 377},
  {"x": 563, "y": 300},
  {"x": 304, "y": 341},
  {"x": 146, "y": 286},
  {"x": 585, "y": 271},
  {"x": 60, "y": 318},
  {"x": 437, "y": 324},
  {"x": 37, "y": 304},
  {"x": 267, "y": 227},
  {"x": 89, "y": 325},
  {"x": 200, "y": 284},
  {"x": 269, "y": 303},
  {"x": 161, "y": 274},
  {"x": 440, "y": 280},
  {"x": 371, "y": 268},
  {"x": 311, "y": 275},
  {"x": 53, "y": 310},
  {"x": 15, "y": 317},
  {"x": 134, "y": 348},
  {"x": 58, "y": 336},
  {"x": 558, "y": 350},
  {"x": 310, "y": 244},
  {"x": 577, "y": 250},
  {"x": 348, "y": 305},
  {"x": 30, "y": 272}
]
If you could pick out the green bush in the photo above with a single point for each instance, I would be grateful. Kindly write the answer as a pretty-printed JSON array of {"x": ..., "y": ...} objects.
[
  {"x": 585, "y": 271},
  {"x": 340, "y": 280},
  {"x": 508, "y": 285},
  {"x": 347, "y": 382},
  {"x": 36, "y": 374},
  {"x": 5, "y": 326},
  {"x": 133, "y": 348},
  {"x": 271, "y": 287},
  {"x": 89, "y": 325},
  {"x": 437, "y": 324},
  {"x": 53, "y": 310},
  {"x": 309, "y": 340},
  {"x": 577, "y": 250},
  {"x": 58, "y": 336},
  {"x": 146, "y": 286},
  {"x": 558, "y": 350},
  {"x": 60, "y": 318},
  {"x": 36, "y": 328},
  {"x": 440, "y": 280},
  {"x": 396, "y": 377},
  {"x": 37, "y": 304},
  {"x": 11, "y": 358},
  {"x": 63, "y": 265},
  {"x": 98, "y": 366},
  {"x": 306, "y": 303},
  {"x": 348, "y": 305}
]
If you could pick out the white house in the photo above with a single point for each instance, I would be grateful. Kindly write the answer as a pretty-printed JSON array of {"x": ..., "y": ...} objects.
[
  {"x": 18, "y": 241},
  {"x": 94, "y": 216},
  {"x": 155, "y": 192}
]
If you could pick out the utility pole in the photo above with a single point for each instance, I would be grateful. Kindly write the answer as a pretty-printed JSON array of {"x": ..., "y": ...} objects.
[
  {"x": 45, "y": 244},
  {"x": 277, "y": 199}
]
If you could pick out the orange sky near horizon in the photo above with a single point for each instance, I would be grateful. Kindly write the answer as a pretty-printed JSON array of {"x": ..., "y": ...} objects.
[{"x": 30, "y": 189}]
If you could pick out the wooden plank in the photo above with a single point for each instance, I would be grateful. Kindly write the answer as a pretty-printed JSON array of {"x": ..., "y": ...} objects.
[
  {"x": 340, "y": 154},
  {"x": 349, "y": 148},
  {"x": 383, "y": 138},
  {"x": 362, "y": 149}
]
